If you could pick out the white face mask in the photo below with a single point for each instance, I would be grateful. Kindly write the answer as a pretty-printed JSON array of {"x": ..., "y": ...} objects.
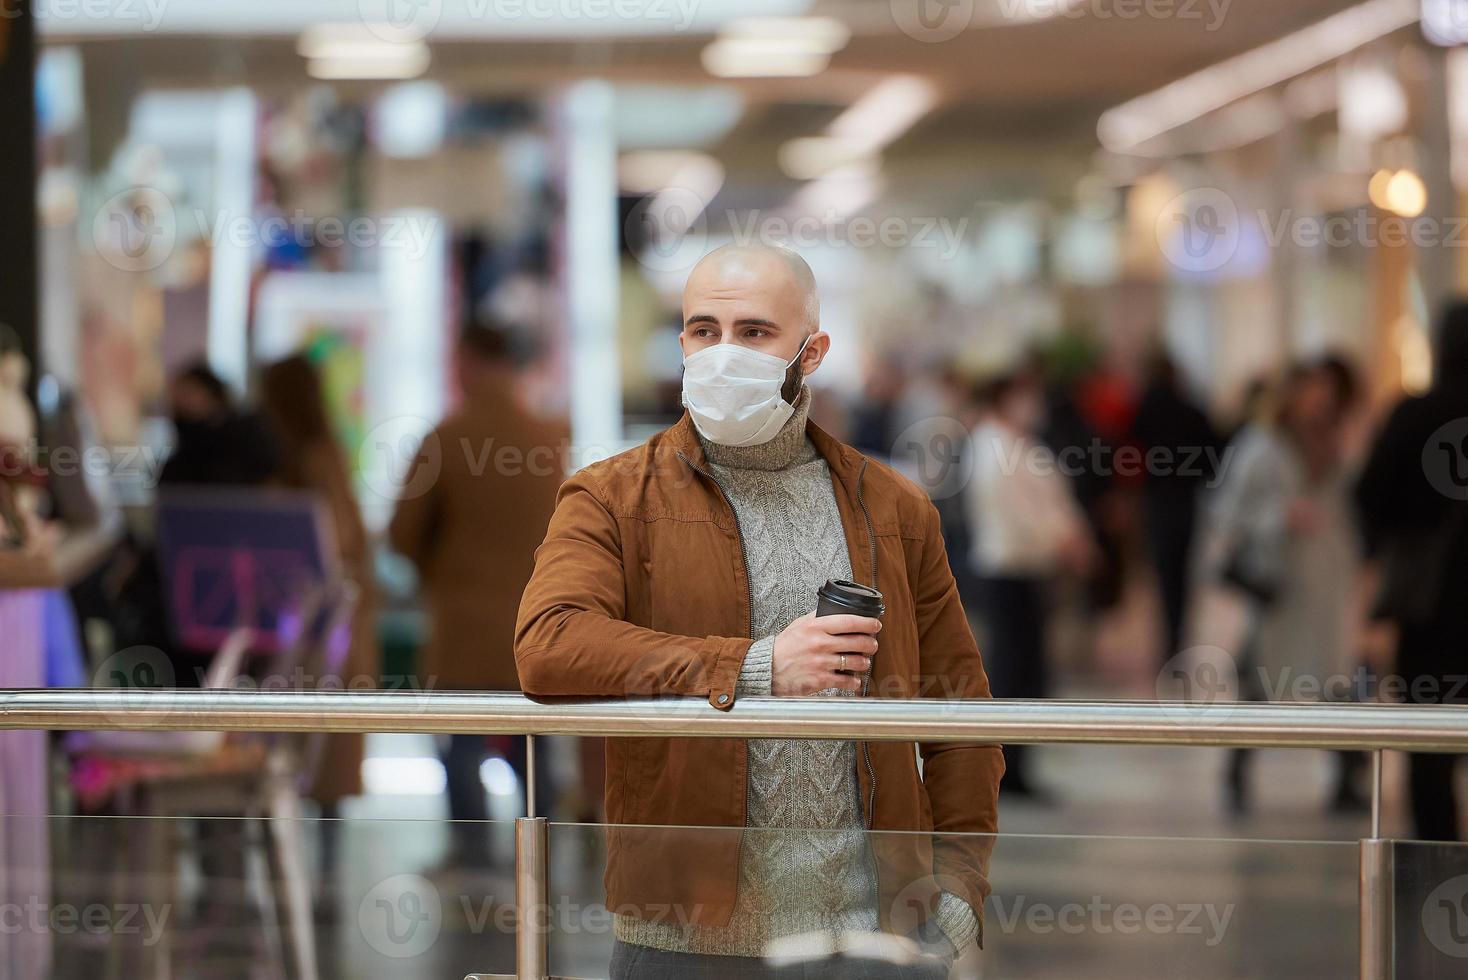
[{"x": 733, "y": 393}]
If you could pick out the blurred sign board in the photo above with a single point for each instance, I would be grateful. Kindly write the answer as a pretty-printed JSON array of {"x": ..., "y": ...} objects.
[{"x": 240, "y": 556}]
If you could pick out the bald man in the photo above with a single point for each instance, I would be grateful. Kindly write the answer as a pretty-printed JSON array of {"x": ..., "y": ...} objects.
[{"x": 689, "y": 566}]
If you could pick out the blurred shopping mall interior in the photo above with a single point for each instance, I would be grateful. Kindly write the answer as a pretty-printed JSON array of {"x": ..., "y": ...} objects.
[{"x": 1162, "y": 239}]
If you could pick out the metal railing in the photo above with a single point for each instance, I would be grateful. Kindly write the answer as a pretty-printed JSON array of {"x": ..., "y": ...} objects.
[{"x": 1371, "y": 728}]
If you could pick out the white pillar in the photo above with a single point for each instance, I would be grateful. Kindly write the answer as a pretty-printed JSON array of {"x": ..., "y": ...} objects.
[
  {"x": 229, "y": 273},
  {"x": 590, "y": 271}
]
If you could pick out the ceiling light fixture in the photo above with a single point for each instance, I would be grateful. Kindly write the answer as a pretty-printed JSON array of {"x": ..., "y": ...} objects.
[
  {"x": 348, "y": 50},
  {"x": 885, "y": 112},
  {"x": 1126, "y": 127},
  {"x": 809, "y": 157},
  {"x": 775, "y": 47}
]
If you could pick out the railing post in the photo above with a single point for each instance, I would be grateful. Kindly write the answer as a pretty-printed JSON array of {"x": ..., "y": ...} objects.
[
  {"x": 532, "y": 909},
  {"x": 531, "y": 776},
  {"x": 1377, "y": 910}
]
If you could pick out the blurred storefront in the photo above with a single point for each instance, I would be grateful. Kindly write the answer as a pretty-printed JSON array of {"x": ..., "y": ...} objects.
[{"x": 238, "y": 188}]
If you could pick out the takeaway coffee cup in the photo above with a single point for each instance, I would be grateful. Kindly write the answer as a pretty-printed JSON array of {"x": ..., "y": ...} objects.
[{"x": 839, "y": 597}]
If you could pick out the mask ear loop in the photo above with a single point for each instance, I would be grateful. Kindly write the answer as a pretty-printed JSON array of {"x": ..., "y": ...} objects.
[{"x": 791, "y": 379}]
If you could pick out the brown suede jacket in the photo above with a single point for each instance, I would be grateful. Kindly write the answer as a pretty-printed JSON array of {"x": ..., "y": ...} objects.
[{"x": 640, "y": 589}]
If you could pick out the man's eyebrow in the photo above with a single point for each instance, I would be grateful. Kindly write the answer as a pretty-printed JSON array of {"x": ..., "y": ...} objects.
[{"x": 745, "y": 321}]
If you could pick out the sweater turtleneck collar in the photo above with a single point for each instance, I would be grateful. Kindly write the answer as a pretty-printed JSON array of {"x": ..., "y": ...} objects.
[{"x": 788, "y": 447}]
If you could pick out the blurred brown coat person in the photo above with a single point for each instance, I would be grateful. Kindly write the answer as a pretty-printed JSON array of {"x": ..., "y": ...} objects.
[{"x": 474, "y": 507}]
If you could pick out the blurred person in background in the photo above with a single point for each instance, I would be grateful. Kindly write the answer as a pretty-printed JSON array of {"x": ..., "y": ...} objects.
[
  {"x": 1285, "y": 539},
  {"x": 1413, "y": 499},
  {"x": 474, "y": 506},
  {"x": 927, "y": 419},
  {"x": 1169, "y": 421},
  {"x": 28, "y": 576},
  {"x": 874, "y": 415},
  {"x": 1027, "y": 530},
  {"x": 217, "y": 441},
  {"x": 1086, "y": 412},
  {"x": 311, "y": 458},
  {"x": 690, "y": 566}
]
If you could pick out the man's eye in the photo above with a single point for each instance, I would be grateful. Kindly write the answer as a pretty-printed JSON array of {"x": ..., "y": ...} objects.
[{"x": 756, "y": 333}]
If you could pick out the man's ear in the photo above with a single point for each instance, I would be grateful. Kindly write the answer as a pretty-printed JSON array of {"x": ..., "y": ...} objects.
[{"x": 814, "y": 353}]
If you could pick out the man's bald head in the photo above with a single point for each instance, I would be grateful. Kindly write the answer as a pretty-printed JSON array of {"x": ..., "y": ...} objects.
[{"x": 776, "y": 270}]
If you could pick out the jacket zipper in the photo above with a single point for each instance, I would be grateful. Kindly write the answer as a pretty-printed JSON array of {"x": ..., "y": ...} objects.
[{"x": 866, "y": 748}]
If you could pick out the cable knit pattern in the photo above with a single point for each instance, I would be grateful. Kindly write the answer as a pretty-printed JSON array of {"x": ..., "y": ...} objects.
[
  {"x": 957, "y": 920},
  {"x": 805, "y": 866}
]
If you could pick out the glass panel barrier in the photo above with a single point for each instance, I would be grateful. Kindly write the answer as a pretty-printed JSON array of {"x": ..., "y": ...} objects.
[
  {"x": 139, "y": 897},
  {"x": 1062, "y": 907},
  {"x": 1430, "y": 909}
]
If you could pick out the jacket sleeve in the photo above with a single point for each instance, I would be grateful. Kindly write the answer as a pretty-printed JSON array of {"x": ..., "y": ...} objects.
[
  {"x": 571, "y": 637},
  {"x": 961, "y": 779}
]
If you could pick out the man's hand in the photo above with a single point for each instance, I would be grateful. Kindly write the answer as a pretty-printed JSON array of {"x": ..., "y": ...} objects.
[{"x": 808, "y": 654}]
